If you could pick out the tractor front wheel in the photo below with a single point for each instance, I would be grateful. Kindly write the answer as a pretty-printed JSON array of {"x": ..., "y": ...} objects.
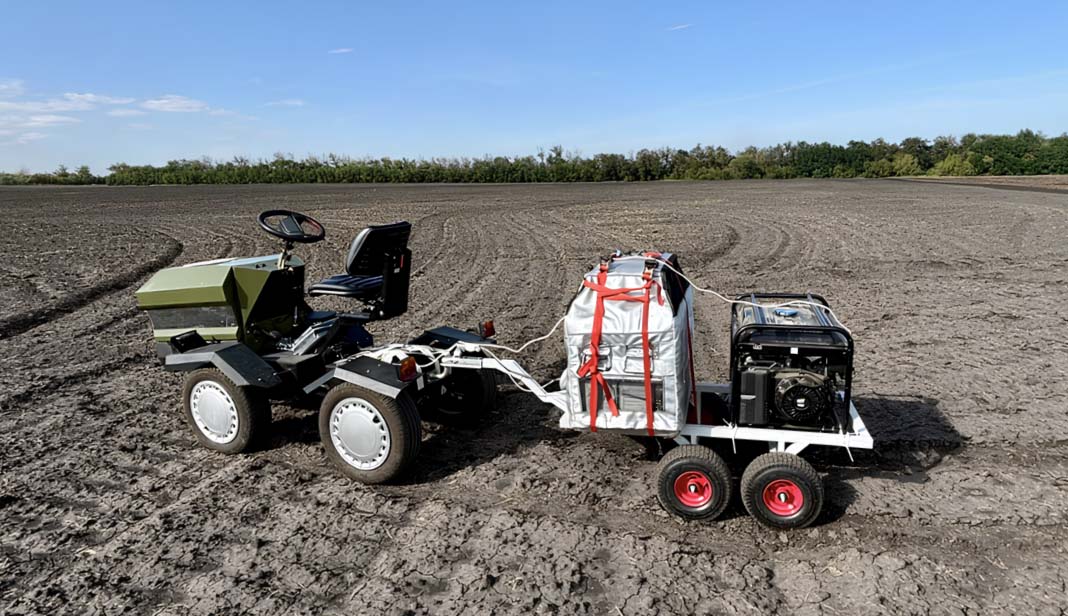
[
  {"x": 372, "y": 438},
  {"x": 693, "y": 482},
  {"x": 782, "y": 490},
  {"x": 225, "y": 417}
]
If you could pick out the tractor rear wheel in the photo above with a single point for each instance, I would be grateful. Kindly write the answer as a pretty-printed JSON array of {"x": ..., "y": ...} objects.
[
  {"x": 467, "y": 396},
  {"x": 225, "y": 417},
  {"x": 370, "y": 437},
  {"x": 693, "y": 482},
  {"x": 782, "y": 490}
]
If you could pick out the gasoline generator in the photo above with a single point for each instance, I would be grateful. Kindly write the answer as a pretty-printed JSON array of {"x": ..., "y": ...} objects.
[{"x": 791, "y": 366}]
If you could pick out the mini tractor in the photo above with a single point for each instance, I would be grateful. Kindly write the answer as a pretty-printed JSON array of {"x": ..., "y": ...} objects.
[{"x": 244, "y": 333}]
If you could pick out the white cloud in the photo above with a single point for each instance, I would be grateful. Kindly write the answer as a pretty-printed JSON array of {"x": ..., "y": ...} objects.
[
  {"x": 97, "y": 99},
  {"x": 175, "y": 104},
  {"x": 678, "y": 27},
  {"x": 35, "y": 121},
  {"x": 23, "y": 138},
  {"x": 341, "y": 50},
  {"x": 30, "y": 136},
  {"x": 11, "y": 87},
  {"x": 125, "y": 112},
  {"x": 41, "y": 121},
  {"x": 44, "y": 106},
  {"x": 287, "y": 102},
  {"x": 71, "y": 101},
  {"x": 230, "y": 113}
]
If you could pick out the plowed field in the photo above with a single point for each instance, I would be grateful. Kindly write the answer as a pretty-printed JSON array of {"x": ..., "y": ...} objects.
[{"x": 957, "y": 297}]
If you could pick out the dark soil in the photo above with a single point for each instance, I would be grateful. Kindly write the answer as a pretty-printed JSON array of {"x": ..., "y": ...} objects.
[
  {"x": 1038, "y": 183},
  {"x": 957, "y": 296}
]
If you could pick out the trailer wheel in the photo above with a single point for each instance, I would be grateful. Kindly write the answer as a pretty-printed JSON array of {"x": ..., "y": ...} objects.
[
  {"x": 370, "y": 437},
  {"x": 782, "y": 490},
  {"x": 225, "y": 417},
  {"x": 693, "y": 482},
  {"x": 468, "y": 396}
]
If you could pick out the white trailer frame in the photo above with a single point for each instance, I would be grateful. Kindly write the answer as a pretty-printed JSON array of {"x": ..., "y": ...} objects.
[{"x": 778, "y": 439}]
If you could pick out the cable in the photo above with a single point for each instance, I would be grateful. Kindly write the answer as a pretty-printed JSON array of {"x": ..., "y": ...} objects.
[
  {"x": 796, "y": 302},
  {"x": 721, "y": 297},
  {"x": 526, "y": 344},
  {"x": 511, "y": 376},
  {"x": 438, "y": 354}
]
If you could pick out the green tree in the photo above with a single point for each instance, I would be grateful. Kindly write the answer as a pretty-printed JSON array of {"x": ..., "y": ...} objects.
[
  {"x": 906, "y": 164},
  {"x": 1022, "y": 153},
  {"x": 881, "y": 168},
  {"x": 745, "y": 167},
  {"x": 953, "y": 164}
]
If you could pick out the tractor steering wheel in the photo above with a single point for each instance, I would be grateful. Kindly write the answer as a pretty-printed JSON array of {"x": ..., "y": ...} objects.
[{"x": 292, "y": 226}]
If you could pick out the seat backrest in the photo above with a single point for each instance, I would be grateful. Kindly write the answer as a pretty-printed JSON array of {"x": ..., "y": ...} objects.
[{"x": 367, "y": 255}]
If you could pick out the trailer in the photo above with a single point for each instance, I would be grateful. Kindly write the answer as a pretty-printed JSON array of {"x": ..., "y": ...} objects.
[{"x": 779, "y": 489}]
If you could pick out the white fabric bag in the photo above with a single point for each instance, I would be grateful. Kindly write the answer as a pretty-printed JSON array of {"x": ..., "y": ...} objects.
[{"x": 620, "y": 372}]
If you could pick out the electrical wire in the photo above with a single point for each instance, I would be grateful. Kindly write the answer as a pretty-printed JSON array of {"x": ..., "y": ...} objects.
[
  {"x": 512, "y": 376},
  {"x": 696, "y": 287},
  {"x": 796, "y": 302},
  {"x": 438, "y": 354},
  {"x": 524, "y": 345}
]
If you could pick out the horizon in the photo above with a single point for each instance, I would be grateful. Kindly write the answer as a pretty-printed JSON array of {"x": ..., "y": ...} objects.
[{"x": 136, "y": 84}]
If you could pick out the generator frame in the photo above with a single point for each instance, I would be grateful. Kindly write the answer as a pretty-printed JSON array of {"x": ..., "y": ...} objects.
[
  {"x": 789, "y": 440},
  {"x": 775, "y": 485}
]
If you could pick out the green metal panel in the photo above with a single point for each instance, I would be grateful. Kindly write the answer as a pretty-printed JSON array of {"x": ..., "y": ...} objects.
[
  {"x": 248, "y": 282},
  {"x": 237, "y": 283},
  {"x": 194, "y": 285}
]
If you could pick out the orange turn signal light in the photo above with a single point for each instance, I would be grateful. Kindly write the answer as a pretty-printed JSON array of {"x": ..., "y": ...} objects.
[
  {"x": 407, "y": 370},
  {"x": 486, "y": 329}
]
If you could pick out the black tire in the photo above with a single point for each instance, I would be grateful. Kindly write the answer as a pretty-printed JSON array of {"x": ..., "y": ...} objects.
[
  {"x": 693, "y": 482},
  {"x": 469, "y": 395},
  {"x": 251, "y": 412},
  {"x": 782, "y": 490},
  {"x": 401, "y": 424}
]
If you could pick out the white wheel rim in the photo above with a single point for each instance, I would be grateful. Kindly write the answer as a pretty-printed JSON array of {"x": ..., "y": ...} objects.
[
  {"x": 214, "y": 412},
  {"x": 359, "y": 434}
]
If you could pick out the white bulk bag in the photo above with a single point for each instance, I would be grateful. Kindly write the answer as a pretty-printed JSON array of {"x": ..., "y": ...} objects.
[{"x": 620, "y": 364}]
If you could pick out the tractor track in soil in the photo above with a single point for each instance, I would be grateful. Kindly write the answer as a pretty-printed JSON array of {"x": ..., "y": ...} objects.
[
  {"x": 19, "y": 323},
  {"x": 956, "y": 295}
]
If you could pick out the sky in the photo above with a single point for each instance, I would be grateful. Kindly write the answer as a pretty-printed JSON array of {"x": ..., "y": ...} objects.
[{"x": 146, "y": 82}]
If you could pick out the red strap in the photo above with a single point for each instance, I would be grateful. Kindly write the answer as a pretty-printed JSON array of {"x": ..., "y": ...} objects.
[
  {"x": 646, "y": 361},
  {"x": 611, "y": 292},
  {"x": 597, "y": 381},
  {"x": 659, "y": 293},
  {"x": 590, "y": 368}
]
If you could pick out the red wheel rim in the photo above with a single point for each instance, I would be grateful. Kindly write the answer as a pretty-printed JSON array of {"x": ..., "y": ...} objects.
[
  {"x": 693, "y": 489},
  {"x": 783, "y": 498}
]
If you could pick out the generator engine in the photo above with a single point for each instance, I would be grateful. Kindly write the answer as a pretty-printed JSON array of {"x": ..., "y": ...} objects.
[{"x": 791, "y": 365}]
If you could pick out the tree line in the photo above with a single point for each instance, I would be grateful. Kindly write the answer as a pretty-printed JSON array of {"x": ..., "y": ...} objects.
[
  {"x": 1025, "y": 153},
  {"x": 60, "y": 176}
]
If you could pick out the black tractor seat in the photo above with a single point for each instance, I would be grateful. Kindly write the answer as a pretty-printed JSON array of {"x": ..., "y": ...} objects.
[
  {"x": 376, "y": 270},
  {"x": 359, "y": 287}
]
